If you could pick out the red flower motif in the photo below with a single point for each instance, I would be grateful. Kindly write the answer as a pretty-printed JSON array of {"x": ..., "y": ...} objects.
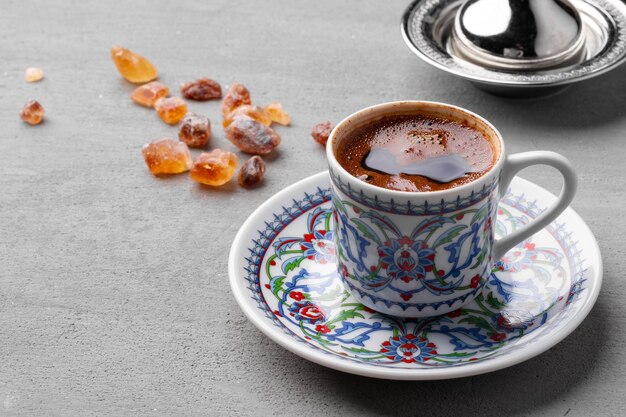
[
  {"x": 322, "y": 328},
  {"x": 503, "y": 323},
  {"x": 296, "y": 295},
  {"x": 272, "y": 262},
  {"x": 406, "y": 297},
  {"x": 408, "y": 348},
  {"x": 487, "y": 226},
  {"x": 460, "y": 216},
  {"x": 277, "y": 313},
  {"x": 498, "y": 337},
  {"x": 529, "y": 246},
  {"x": 455, "y": 313},
  {"x": 344, "y": 271},
  {"x": 475, "y": 281},
  {"x": 405, "y": 240},
  {"x": 307, "y": 311},
  {"x": 268, "y": 286},
  {"x": 510, "y": 320},
  {"x": 318, "y": 246},
  {"x": 500, "y": 212}
]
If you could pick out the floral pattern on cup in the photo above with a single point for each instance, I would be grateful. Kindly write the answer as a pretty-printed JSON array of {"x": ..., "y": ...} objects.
[
  {"x": 406, "y": 259},
  {"x": 445, "y": 256}
]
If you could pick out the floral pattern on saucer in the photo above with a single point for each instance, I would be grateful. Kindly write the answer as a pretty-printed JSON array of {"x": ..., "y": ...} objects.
[{"x": 292, "y": 276}]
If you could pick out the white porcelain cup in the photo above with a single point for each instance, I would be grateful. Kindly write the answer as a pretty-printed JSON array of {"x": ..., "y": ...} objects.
[{"x": 419, "y": 254}]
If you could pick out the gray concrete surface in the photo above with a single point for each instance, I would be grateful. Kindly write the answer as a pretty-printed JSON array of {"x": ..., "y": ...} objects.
[{"x": 114, "y": 295}]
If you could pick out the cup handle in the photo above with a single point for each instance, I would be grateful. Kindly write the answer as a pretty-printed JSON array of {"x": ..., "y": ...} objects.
[{"x": 515, "y": 163}]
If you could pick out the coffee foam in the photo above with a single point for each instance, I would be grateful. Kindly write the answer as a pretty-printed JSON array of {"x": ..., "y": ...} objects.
[{"x": 416, "y": 137}]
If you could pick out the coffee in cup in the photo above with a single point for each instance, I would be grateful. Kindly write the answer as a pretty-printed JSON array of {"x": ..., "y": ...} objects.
[{"x": 416, "y": 152}]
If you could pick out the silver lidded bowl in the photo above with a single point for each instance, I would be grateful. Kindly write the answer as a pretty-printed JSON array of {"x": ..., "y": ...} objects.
[
  {"x": 519, "y": 35},
  {"x": 518, "y": 47}
]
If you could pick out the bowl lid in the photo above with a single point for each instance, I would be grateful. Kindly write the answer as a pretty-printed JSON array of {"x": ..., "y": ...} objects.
[{"x": 521, "y": 35}]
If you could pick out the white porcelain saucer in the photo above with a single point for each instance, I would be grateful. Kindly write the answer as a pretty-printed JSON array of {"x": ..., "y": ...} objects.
[{"x": 283, "y": 275}]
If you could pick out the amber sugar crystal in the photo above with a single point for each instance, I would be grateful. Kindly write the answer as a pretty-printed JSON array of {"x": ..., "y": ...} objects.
[
  {"x": 195, "y": 130},
  {"x": 251, "y": 172},
  {"x": 254, "y": 112},
  {"x": 148, "y": 94},
  {"x": 237, "y": 95},
  {"x": 32, "y": 112},
  {"x": 33, "y": 75},
  {"x": 201, "y": 90},
  {"x": 167, "y": 156},
  {"x": 321, "y": 131},
  {"x": 214, "y": 168},
  {"x": 251, "y": 136},
  {"x": 276, "y": 113},
  {"x": 171, "y": 109},
  {"x": 133, "y": 66}
]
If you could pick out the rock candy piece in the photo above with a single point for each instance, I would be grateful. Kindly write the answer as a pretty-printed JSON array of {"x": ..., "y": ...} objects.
[
  {"x": 167, "y": 156},
  {"x": 195, "y": 130},
  {"x": 254, "y": 112},
  {"x": 148, "y": 94},
  {"x": 321, "y": 131},
  {"x": 214, "y": 168},
  {"x": 33, "y": 75},
  {"x": 251, "y": 136},
  {"x": 133, "y": 66},
  {"x": 237, "y": 95},
  {"x": 201, "y": 90},
  {"x": 252, "y": 171},
  {"x": 32, "y": 112},
  {"x": 171, "y": 109},
  {"x": 277, "y": 114}
]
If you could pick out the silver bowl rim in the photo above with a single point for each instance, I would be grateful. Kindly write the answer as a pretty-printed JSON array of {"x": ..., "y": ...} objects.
[{"x": 461, "y": 72}]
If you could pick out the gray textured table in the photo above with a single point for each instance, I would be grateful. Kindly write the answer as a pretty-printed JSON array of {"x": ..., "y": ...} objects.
[{"x": 114, "y": 295}]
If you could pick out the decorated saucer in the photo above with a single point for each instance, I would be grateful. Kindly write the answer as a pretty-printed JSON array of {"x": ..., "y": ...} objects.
[{"x": 283, "y": 274}]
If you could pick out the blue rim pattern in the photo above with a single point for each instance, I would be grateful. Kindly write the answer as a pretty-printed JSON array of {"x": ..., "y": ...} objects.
[{"x": 391, "y": 206}]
